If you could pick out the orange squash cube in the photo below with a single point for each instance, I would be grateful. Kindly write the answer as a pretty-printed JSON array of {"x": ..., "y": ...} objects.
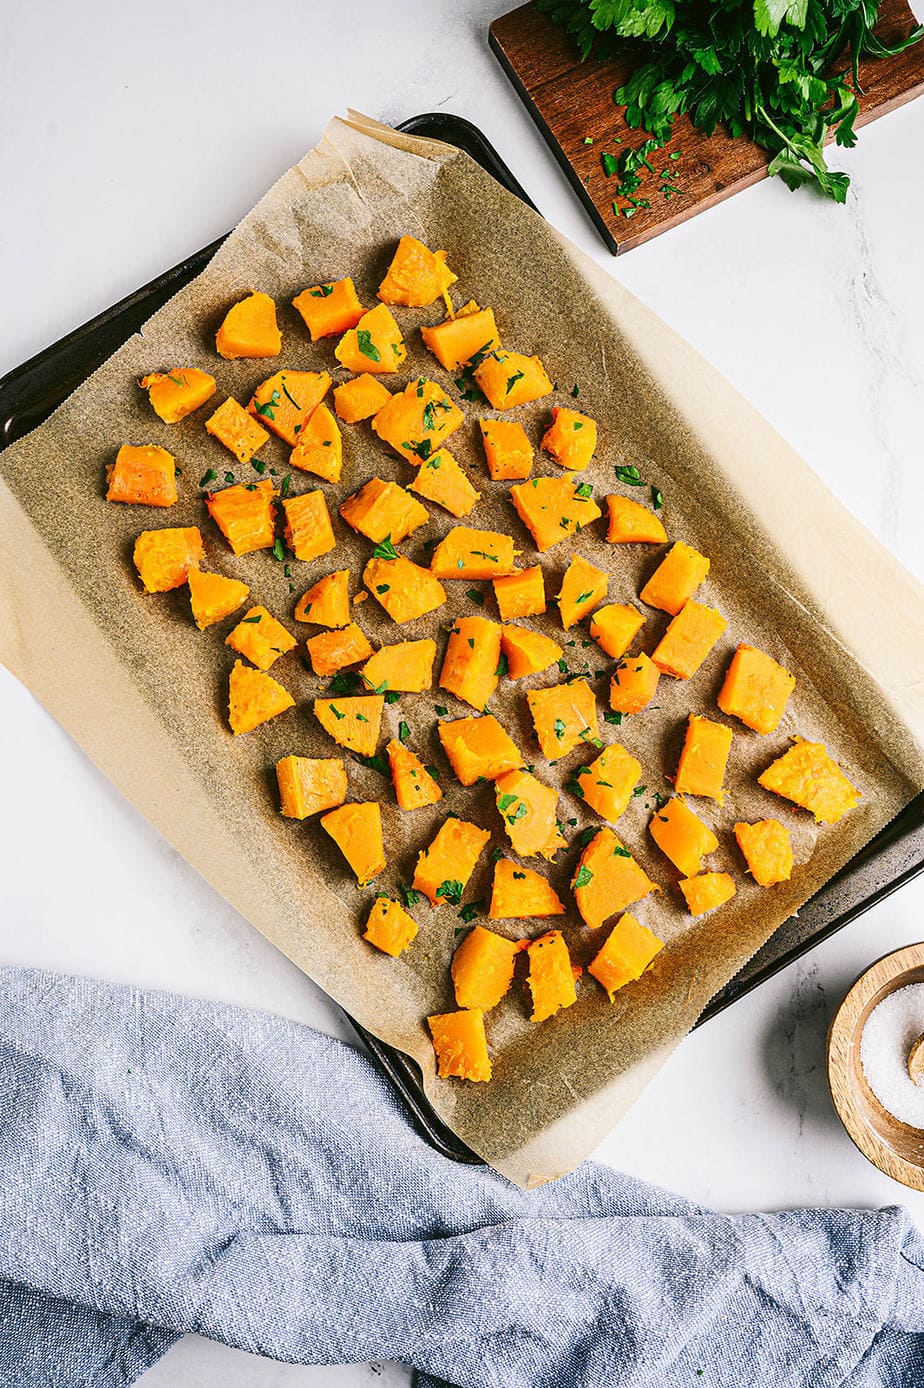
[
  {"x": 405, "y": 590},
  {"x": 631, "y": 523},
  {"x": 564, "y": 715},
  {"x": 482, "y": 968},
  {"x": 460, "y": 1045},
  {"x": 442, "y": 480},
  {"x": 375, "y": 345},
  {"x": 520, "y": 594},
  {"x": 331, "y": 651},
  {"x": 682, "y": 836},
  {"x": 142, "y": 475},
  {"x": 528, "y": 652},
  {"x": 472, "y": 659},
  {"x": 249, "y": 329},
  {"x": 467, "y": 553},
  {"x": 353, "y": 723},
  {"x": 416, "y": 275},
  {"x": 383, "y": 511},
  {"x": 701, "y": 769},
  {"x": 308, "y": 785},
  {"x": 615, "y": 626},
  {"x": 519, "y": 893},
  {"x": 329, "y": 309},
  {"x": 628, "y": 950},
  {"x": 405, "y": 666},
  {"x": 254, "y": 698},
  {"x": 756, "y": 689},
  {"x": 260, "y": 638},
  {"x": 356, "y": 829},
  {"x": 552, "y": 508},
  {"x": 327, "y": 603},
  {"x": 582, "y": 587},
  {"x": 810, "y": 777},
  {"x": 389, "y": 927},
  {"x": 470, "y": 334},
  {"x": 571, "y": 438},
  {"x": 212, "y": 597},
  {"x": 508, "y": 379},
  {"x": 320, "y": 447},
  {"x": 245, "y": 515},
  {"x": 478, "y": 748},
  {"x": 608, "y": 879},
  {"x": 175, "y": 394},
  {"x": 414, "y": 786},
  {"x": 634, "y": 684},
  {"x": 308, "y": 530},
  {"x": 232, "y": 426},
  {"x": 444, "y": 868},
  {"x": 676, "y": 578},
  {"x": 528, "y": 808},
  {"x": 418, "y": 420},
  {"x": 607, "y": 783},
  {"x": 283, "y": 402},
  {"x": 688, "y": 640},
  {"x": 707, "y": 891},
  {"x": 767, "y": 850},
  {"x": 360, "y": 398},
  {"x": 507, "y": 450},
  {"x": 551, "y": 977},
  {"x": 164, "y": 558}
]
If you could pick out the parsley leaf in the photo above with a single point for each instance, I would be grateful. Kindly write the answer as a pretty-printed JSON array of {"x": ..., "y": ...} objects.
[
  {"x": 385, "y": 549},
  {"x": 451, "y": 891},
  {"x": 367, "y": 346}
]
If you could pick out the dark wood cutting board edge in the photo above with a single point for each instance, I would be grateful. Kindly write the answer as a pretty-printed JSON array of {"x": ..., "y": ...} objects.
[{"x": 571, "y": 101}]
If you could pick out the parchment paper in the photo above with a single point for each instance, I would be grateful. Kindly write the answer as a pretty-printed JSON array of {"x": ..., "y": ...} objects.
[{"x": 145, "y": 693}]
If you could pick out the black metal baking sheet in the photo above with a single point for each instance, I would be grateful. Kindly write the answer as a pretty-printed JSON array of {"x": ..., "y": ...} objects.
[{"x": 30, "y": 393}]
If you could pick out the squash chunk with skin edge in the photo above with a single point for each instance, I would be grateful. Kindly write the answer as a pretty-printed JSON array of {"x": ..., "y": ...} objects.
[
  {"x": 634, "y": 684},
  {"x": 375, "y": 346},
  {"x": 607, "y": 784},
  {"x": 527, "y": 808},
  {"x": 249, "y": 329},
  {"x": 756, "y": 689},
  {"x": 245, "y": 515},
  {"x": 404, "y": 589},
  {"x": 519, "y": 893},
  {"x": 416, "y": 276},
  {"x": 552, "y": 508},
  {"x": 629, "y": 949},
  {"x": 353, "y": 723},
  {"x": 212, "y": 597},
  {"x": 688, "y": 640},
  {"x": 467, "y": 553},
  {"x": 682, "y": 836},
  {"x": 360, "y": 398},
  {"x": 331, "y": 651},
  {"x": 356, "y": 829},
  {"x": 142, "y": 475},
  {"x": 631, "y": 523},
  {"x": 259, "y": 638},
  {"x": 254, "y": 698},
  {"x": 767, "y": 850},
  {"x": 478, "y": 747},
  {"x": 507, "y": 450},
  {"x": 562, "y": 715},
  {"x": 283, "y": 402},
  {"x": 308, "y": 530},
  {"x": 471, "y": 333},
  {"x": 701, "y": 769},
  {"x": 327, "y": 310},
  {"x": 676, "y": 578},
  {"x": 508, "y": 379},
  {"x": 571, "y": 438},
  {"x": 389, "y": 927},
  {"x": 707, "y": 891},
  {"x": 608, "y": 879},
  {"x": 551, "y": 977},
  {"x": 319, "y": 449},
  {"x": 233, "y": 427},
  {"x": 443, "y": 869},
  {"x": 528, "y": 652},
  {"x": 520, "y": 594},
  {"x": 175, "y": 394},
  {"x": 414, "y": 786},
  {"x": 460, "y": 1045},
  {"x": 309, "y": 785},
  {"x": 418, "y": 420},
  {"x": 164, "y": 558},
  {"x": 614, "y": 628},
  {"x": 470, "y": 665},
  {"x": 327, "y": 603},
  {"x": 405, "y": 667},
  {"x": 582, "y": 587},
  {"x": 441, "y": 480},
  {"x": 810, "y": 777},
  {"x": 482, "y": 968},
  {"x": 383, "y": 511}
]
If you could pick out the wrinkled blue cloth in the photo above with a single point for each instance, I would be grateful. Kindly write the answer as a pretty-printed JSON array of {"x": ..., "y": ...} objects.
[{"x": 168, "y": 1165}]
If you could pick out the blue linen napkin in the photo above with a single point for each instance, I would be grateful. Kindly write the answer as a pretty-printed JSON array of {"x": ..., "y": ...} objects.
[{"x": 169, "y": 1165}]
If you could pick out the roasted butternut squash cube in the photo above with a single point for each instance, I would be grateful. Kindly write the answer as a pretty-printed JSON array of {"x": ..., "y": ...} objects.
[
  {"x": 631, "y": 523},
  {"x": 756, "y": 689},
  {"x": 329, "y": 309},
  {"x": 383, "y": 511},
  {"x": 634, "y": 684},
  {"x": 571, "y": 438},
  {"x": 767, "y": 850},
  {"x": 283, "y": 402},
  {"x": 527, "y": 808},
  {"x": 520, "y": 594},
  {"x": 245, "y": 515},
  {"x": 626, "y": 954},
  {"x": 707, "y": 891},
  {"x": 260, "y": 638},
  {"x": 508, "y": 379},
  {"x": 175, "y": 394},
  {"x": 608, "y": 879},
  {"x": 582, "y": 587},
  {"x": 467, "y": 553},
  {"x": 164, "y": 558},
  {"x": 375, "y": 345},
  {"x": 507, "y": 450},
  {"x": 232, "y": 426},
  {"x": 519, "y": 893},
  {"x": 444, "y": 868},
  {"x": 552, "y": 508},
  {"x": 416, "y": 275},
  {"x": 563, "y": 716},
  {"x": 810, "y": 777},
  {"x": 482, "y": 968},
  {"x": 418, "y": 420},
  {"x": 320, "y": 447},
  {"x": 607, "y": 783},
  {"x": 442, "y": 480},
  {"x": 471, "y": 333},
  {"x": 353, "y": 723},
  {"x": 389, "y": 927},
  {"x": 676, "y": 578},
  {"x": 360, "y": 398},
  {"x": 308, "y": 530},
  {"x": 682, "y": 836},
  {"x": 472, "y": 660},
  {"x": 528, "y": 652},
  {"x": 551, "y": 977},
  {"x": 327, "y": 602},
  {"x": 414, "y": 786},
  {"x": 615, "y": 626},
  {"x": 405, "y": 590},
  {"x": 250, "y": 329},
  {"x": 308, "y": 785},
  {"x": 701, "y": 769},
  {"x": 478, "y": 748},
  {"x": 356, "y": 829},
  {"x": 142, "y": 475},
  {"x": 254, "y": 698},
  {"x": 405, "y": 666},
  {"x": 331, "y": 651},
  {"x": 688, "y": 640},
  {"x": 212, "y": 597},
  {"x": 460, "y": 1045}
]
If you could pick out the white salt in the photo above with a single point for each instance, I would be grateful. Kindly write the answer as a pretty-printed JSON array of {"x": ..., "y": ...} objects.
[{"x": 891, "y": 1030}]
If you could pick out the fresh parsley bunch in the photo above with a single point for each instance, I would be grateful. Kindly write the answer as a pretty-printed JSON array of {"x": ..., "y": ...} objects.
[{"x": 783, "y": 72}]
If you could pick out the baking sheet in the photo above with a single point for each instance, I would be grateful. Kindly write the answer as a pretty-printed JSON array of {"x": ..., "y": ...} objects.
[{"x": 822, "y": 596}]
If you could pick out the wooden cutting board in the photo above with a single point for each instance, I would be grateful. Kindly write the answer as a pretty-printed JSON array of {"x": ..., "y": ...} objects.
[{"x": 572, "y": 102}]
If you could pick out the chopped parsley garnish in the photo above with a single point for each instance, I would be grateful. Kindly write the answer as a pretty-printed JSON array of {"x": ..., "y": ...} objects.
[
  {"x": 385, "y": 549},
  {"x": 208, "y": 477},
  {"x": 512, "y": 380},
  {"x": 278, "y": 550},
  {"x": 475, "y": 596},
  {"x": 408, "y": 895},
  {"x": 584, "y": 877},
  {"x": 451, "y": 891},
  {"x": 630, "y": 475},
  {"x": 367, "y": 346},
  {"x": 657, "y": 498},
  {"x": 584, "y": 489},
  {"x": 322, "y": 291},
  {"x": 268, "y": 407},
  {"x": 404, "y": 731}
]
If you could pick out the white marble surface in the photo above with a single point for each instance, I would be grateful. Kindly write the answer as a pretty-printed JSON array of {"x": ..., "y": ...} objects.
[{"x": 120, "y": 154}]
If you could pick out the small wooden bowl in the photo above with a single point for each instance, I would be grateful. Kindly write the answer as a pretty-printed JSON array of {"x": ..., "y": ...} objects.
[{"x": 895, "y": 1147}]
